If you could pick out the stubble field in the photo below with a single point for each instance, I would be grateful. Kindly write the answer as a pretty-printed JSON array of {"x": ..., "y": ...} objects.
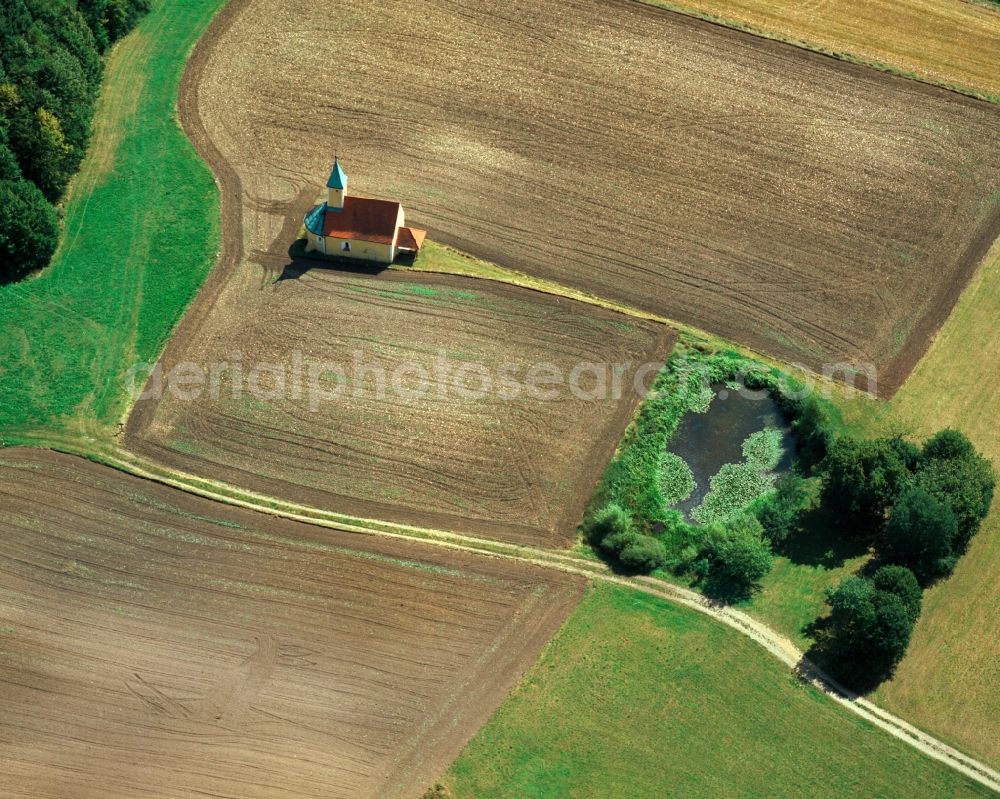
[
  {"x": 815, "y": 210},
  {"x": 414, "y": 401},
  {"x": 153, "y": 644},
  {"x": 951, "y": 42}
]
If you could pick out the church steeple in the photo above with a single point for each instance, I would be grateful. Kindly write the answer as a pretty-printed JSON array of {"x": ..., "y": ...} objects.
[{"x": 336, "y": 186}]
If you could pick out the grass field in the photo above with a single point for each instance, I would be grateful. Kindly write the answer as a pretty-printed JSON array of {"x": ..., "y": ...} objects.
[
  {"x": 141, "y": 232},
  {"x": 637, "y": 698},
  {"x": 949, "y": 682},
  {"x": 792, "y": 595},
  {"x": 951, "y": 42},
  {"x": 864, "y": 199}
]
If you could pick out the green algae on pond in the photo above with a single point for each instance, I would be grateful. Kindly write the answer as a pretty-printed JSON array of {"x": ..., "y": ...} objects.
[{"x": 709, "y": 440}]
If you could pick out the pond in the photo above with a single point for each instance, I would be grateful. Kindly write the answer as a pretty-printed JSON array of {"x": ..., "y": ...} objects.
[{"x": 710, "y": 440}]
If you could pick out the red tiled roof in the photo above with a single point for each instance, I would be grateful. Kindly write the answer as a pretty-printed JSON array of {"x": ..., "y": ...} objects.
[
  {"x": 362, "y": 218},
  {"x": 410, "y": 238}
]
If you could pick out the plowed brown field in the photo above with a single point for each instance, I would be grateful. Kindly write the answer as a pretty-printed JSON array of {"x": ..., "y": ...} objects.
[
  {"x": 153, "y": 644},
  {"x": 813, "y": 209},
  {"x": 434, "y": 450}
]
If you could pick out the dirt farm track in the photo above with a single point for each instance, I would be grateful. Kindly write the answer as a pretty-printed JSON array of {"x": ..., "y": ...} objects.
[
  {"x": 813, "y": 209},
  {"x": 158, "y": 645}
]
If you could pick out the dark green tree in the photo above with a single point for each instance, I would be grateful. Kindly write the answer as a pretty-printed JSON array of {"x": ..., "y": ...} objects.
[
  {"x": 907, "y": 452},
  {"x": 921, "y": 535},
  {"x": 779, "y": 512},
  {"x": 867, "y": 632},
  {"x": 95, "y": 14},
  {"x": 123, "y": 15},
  {"x": 890, "y": 636},
  {"x": 9, "y": 170},
  {"x": 903, "y": 583},
  {"x": 954, "y": 473},
  {"x": 109, "y": 20},
  {"x": 862, "y": 481},
  {"x": 948, "y": 444},
  {"x": 46, "y": 158},
  {"x": 29, "y": 229}
]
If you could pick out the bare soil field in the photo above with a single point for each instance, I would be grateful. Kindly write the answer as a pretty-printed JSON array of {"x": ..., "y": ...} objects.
[
  {"x": 390, "y": 400},
  {"x": 153, "y": 644},
  {"x": 813, "y": 209}
]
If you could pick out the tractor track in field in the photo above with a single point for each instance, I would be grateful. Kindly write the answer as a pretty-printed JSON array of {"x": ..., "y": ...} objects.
[
  {"x": 775, "y": 644},
  {"x": 404, "y": 449},
  {"x": 158, "y": 644}
]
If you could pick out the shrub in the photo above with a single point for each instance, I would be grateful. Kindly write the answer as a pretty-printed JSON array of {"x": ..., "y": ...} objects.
[
  {"x": 610, "y": 529},
  {"x": 738, "y": 558},
  {"x": 921, "y": 535},
  {"x": 612, "y": 519},
  {"x": 617, "y": 541},
  {"x": 676, "y": 480},
  {"x": 643, "y": 554}
]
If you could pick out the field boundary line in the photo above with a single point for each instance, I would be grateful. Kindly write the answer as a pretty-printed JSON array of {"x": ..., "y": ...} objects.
[
  {"x": 813, "y": 47},
  {"x": 772, "y": 642},
  {"x": 687, "y": 333}
]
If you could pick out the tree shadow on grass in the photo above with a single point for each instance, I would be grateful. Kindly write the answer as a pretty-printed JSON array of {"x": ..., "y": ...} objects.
[
  {"x": 850, "y": 675},
  {"x": 725, "y": 591},
  {"x": 819, "y": 540}
]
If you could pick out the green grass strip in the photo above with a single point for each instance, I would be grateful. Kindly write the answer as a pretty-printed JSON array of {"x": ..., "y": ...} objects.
[{"x": 141, "y": 233}]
